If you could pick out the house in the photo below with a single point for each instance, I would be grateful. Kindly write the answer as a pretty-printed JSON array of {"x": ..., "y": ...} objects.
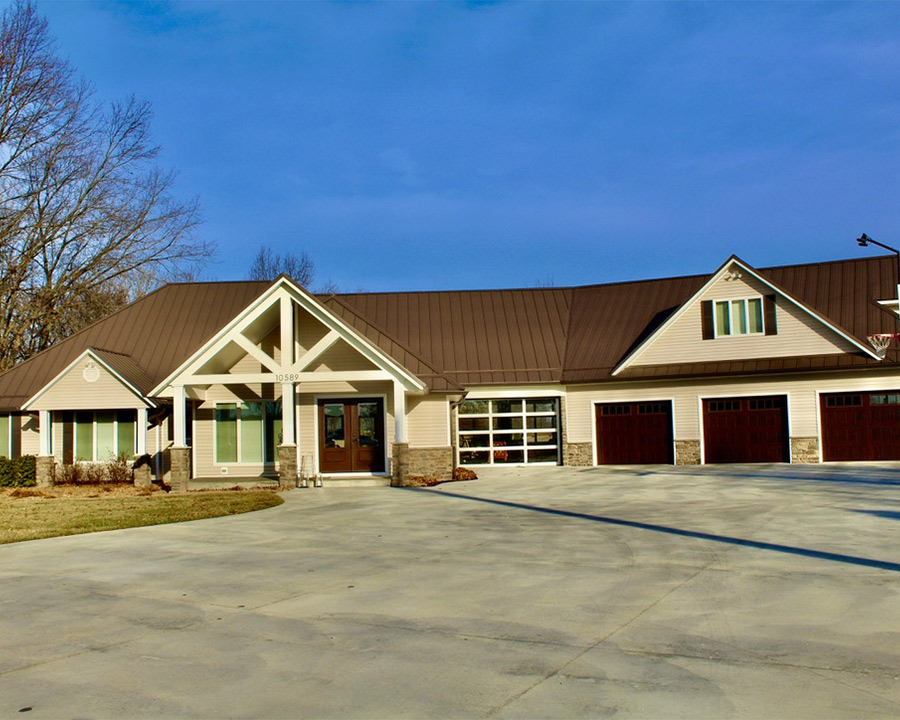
[{"x": 250, "y": 379}]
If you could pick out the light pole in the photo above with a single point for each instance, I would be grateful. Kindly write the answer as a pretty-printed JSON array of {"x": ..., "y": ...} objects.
[{"x": 864, "y": 241}]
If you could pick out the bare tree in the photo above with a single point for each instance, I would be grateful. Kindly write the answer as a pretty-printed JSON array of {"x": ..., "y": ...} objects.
[
  {"x": 87, "y": 221},
  {"x": 268, "y": 265}
]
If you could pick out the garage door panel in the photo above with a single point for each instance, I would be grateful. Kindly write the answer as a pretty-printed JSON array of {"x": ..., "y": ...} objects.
[
  {"x": 634, "y": 433},
  {"x": 745, "y": 429},
  {"x": 861, "y": 426}
]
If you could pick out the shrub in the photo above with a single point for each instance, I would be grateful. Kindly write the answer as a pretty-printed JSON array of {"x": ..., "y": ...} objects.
[
  {"x": 19, "y": 472},
  {"x": 118, "y": 470},
  {"x": 7, "y": 472},
  {"x": 25, "y": 470}
]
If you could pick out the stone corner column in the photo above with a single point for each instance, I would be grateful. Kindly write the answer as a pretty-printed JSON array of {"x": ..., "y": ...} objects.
[
  {"x": 143, "y": 477},
  {"x": 45, "y": 471},
  {"x": 578, "y": 454},
  {"x": 687, "y": 452},
  {"x": 805, "y": 450},
  {"x": 287, "y": 466},
  {"x": 400, "y": 465},
  {"x": 180, "y": 465}
]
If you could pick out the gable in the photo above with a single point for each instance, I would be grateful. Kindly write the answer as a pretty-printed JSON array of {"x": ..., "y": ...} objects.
[
  {"x": 286, "y": 335},
  {"x": 797, "y": 333},
  {"x": 86, "y": 384}
]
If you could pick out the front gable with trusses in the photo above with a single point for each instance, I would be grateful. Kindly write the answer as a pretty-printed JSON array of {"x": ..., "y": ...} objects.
[{"x": 286, "y": 336}]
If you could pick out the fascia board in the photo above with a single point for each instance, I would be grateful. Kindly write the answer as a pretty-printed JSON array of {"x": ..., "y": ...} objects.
[
  {"x": 715, "y": 277},
  {"x": 106, "y": 366}
]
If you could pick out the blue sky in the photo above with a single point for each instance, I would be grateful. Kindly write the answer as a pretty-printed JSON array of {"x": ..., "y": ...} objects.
[{"x": 414, "y": 145}]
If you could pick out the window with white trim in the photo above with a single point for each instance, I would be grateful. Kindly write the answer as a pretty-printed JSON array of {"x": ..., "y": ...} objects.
[
  {"x": 248, "y": 432},
  {"x": 508, "y": 431},
  {"x": 103, "y": 435},
  {"x": 742, "y": 316},
  {"x": 5, "y": 436}
]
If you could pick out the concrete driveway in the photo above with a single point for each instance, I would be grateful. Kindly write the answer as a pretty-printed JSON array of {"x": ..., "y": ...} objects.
[{"x": 730, "y": 591}]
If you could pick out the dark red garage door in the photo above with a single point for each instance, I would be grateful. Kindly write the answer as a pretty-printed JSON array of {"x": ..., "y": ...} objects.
[
  {"x": 750, "y": 429},
  {"x": 861, "y": 426},
  {"x": 634, "y": 433}
]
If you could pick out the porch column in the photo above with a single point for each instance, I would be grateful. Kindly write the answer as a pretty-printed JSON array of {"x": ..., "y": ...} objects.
[
  {"x": 140, "y": 445},
  {"x": 399, "y": 413},
  {"x": 45, "y": 424},
  {"x": 180, "y": 453},
  {"x": 141, "y": 470},
  {"x": 178, "y": 420},
  {"x": 287, "y": 451},
  {"x": 400, "y": 454},
  {"x": 45, "y": 464}
]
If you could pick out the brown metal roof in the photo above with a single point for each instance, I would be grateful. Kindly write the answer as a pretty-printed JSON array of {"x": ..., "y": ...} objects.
[
  {"x": 477, "y": 336},
  {"x": 452, "y": 340},
  {"x": 157, "y": 333}
]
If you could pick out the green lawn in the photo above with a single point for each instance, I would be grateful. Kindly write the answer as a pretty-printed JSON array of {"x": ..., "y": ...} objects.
[{"x": 31, "y": 516}]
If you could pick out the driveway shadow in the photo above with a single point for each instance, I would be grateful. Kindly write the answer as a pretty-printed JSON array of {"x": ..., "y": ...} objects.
[{"x": 710, "y": 537}]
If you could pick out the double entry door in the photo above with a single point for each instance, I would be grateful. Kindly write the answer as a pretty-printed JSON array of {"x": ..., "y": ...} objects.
[{"x": 351, "y": 435}]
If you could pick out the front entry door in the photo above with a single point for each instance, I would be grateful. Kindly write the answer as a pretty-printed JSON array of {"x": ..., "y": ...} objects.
[{"x": 351, "y": 435}]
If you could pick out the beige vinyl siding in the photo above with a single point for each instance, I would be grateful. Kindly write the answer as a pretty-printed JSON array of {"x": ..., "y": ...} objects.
[
  {"x": 340, "y": 357},
  {"x": 309, "y": 330},
  {"x": 73, "y": 392},
  {"x": 802, "y": 398},
  {"x": 428, "y": 421},
  {"x": 798, "y": 333},
  {"x": 29, "y": 434}
]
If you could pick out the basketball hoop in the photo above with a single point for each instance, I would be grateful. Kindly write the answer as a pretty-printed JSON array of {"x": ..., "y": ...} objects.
[{"x": 881, "y": 341}]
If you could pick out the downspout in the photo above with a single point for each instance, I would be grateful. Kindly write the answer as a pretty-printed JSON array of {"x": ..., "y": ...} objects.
[{"x": 454, "y": 428}]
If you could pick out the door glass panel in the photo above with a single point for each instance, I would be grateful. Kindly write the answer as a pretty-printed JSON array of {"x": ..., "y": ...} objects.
[
  {"x": 542, "y": 422},
  {"x": 540, "y": 405},
  {"x": 125, "y": 433},
  {"x": 226, "y": 433},
  {"x": 84, "y": 436},
  {"x": 473, "y": 407},
  {"x": 251, "y": 432},
  {"x": 543, "y": 455},
  {"x": 509, "y": 456},
  {"x": 106, "y": 436},
  {"x": 334, "y": 425},
  {"x": 368, "y": 412},
  {"x": 507, "y": 406},
  {"x": 473, "y": 423},
  {"x": 475, "y": 457},
  {"x": 508, "y": 423}
]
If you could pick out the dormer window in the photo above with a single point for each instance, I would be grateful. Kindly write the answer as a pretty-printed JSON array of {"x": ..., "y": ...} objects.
[{"x": 738, "y": 316}]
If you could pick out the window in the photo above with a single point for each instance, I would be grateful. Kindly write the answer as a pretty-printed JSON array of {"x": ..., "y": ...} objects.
[
  {"x": 249, "y": 432},
  {"x": 104, "y": 435},
  {"x": 508, "y": 431},
  {"x": 738, "y": 317},
  {"x": 5, "y": 436}
]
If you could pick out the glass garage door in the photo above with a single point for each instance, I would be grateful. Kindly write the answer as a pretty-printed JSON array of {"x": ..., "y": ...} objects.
[{"x": 515, "y": 432}]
